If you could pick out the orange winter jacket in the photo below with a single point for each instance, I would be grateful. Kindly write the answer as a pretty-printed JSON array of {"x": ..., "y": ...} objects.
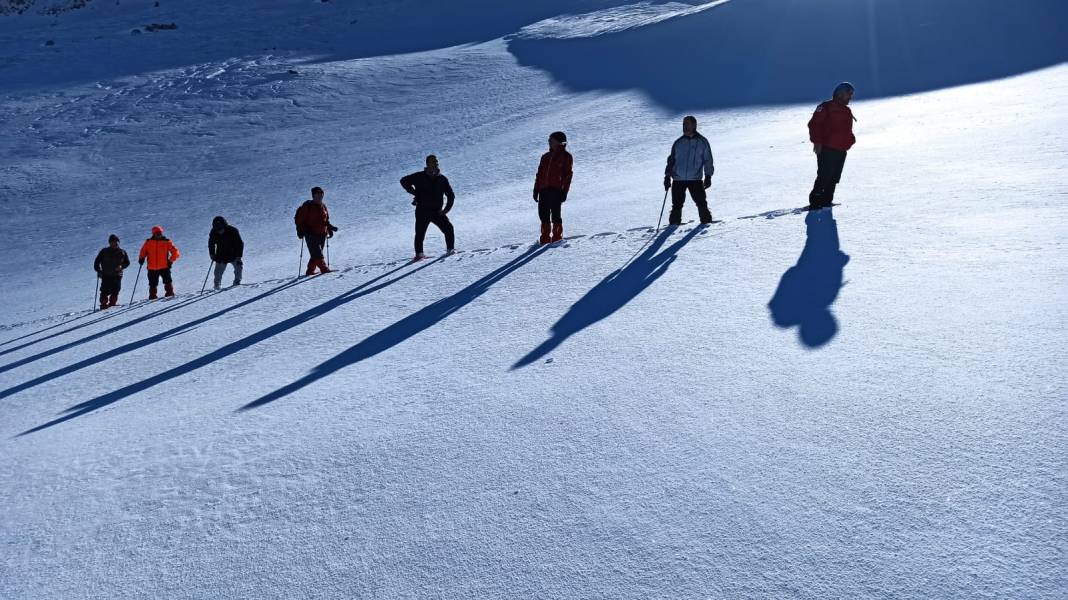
[{"x": 161, "y": 253}]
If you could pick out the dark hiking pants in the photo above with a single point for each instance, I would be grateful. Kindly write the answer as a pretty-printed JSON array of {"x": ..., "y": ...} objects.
[
  {"x": 829, "y": 164},
  {"x": 550, "y": 206},
  {"x": 315, "y": 243},
  {"x": 678, "y": 198},
  {"x": 423, "y": 219}
]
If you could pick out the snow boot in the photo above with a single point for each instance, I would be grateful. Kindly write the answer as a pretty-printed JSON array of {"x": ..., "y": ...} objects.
[
  {"x": 418, "y": 257},
  {"x": 152, "y": 293},
  {"x": 544, "y": 239},
  {"x": 675, "y": 217},
  {"x": 321, "y": 263},
  {"x": 113, "y": 300},
  {"x": 450, "y": 252},
  {"x": 104, "y": 301},
  {"x": 558, "y": 232},
  {"x": 705, "y": 215},
  {"x": 311, "y": 267},
  {"x": 169, "y": 290}
]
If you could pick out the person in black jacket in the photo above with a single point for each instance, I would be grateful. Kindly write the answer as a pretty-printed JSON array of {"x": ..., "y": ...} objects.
[
  {"x": 109, "y": 265},
  {"x": 225, "y": 248},
  {"x": 430, "y": 190}
]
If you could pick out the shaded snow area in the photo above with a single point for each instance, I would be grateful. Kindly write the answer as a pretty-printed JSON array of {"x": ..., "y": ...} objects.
[{"x": 867, "y": 401}]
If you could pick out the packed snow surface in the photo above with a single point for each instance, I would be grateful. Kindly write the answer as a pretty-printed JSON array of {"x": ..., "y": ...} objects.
[{"x": 867, "y": 401}]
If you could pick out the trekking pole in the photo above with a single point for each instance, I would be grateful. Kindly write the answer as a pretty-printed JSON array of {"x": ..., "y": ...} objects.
[
  {"x": 662, "y": 205},
  {"x": 205, "y": 286},
  {"x": 300, "y": 262},
  {"x": 136, "y": 279},
  {"x": 97, "y": 292}
]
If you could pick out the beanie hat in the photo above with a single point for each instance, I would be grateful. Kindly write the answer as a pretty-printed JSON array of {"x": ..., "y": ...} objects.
[
  {"x": 157, "y": 230},
  {"x": 113, "y": 238},
  {"x": 218, "y": 222},
  {"x": 842, "y": 87},
  {"x": 559, "y": 136}
]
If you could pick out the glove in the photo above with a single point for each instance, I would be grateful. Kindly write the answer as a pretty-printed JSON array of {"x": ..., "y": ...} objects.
[
  {"x": 816, "y": 148},
  {"x": 667, "y": 182},
  {"x": 300, "y": 235},
  {"x": 330, "y": 229},
  {"x": 212, "y": 257},
  {"x": 535, "y": 195},
  {"x": 708, "y": 181},
  {"x": 141, "y": 261},
  {"x": 563, "y": 197}
]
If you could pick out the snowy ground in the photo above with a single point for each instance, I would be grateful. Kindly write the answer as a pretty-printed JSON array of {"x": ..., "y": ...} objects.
[{"x": 864, "y": 402}]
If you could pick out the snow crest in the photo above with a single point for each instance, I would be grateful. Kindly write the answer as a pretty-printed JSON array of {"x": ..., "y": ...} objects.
[{"x": 610, "y": 20}]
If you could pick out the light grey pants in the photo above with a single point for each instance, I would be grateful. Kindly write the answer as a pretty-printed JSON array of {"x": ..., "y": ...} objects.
[{"x": 220, "y": 268}]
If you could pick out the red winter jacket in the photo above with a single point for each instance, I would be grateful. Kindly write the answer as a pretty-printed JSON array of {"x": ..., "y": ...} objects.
[
  {"x": 312, "y": 218},
  {"x": 832, "y": 126},
  {"x": 554, "y": 171}
]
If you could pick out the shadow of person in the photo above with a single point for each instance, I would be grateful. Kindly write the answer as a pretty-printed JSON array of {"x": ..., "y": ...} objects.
[
  {"x": 402, "y": 330},
  {"x": 613, "y": 292},
  {"x": 368, "y": 287},
  {"x": 808, "y": 289}
]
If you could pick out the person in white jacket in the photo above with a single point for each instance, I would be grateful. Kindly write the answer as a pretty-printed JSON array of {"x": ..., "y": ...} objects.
[{"x": 690, "y": 158}]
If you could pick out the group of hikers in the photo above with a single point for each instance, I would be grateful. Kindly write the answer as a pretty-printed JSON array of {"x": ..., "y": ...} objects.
[{"x": 689, "y": 169}]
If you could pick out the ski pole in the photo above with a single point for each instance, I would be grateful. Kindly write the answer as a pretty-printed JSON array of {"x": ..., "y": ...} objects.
[
  {"x": 662, "y": 206},
  {"x": 97, "y": 292},
  {"x": 136, "y": 279},
  {"x": 327, "y": 251},
  {"x": 205, "y": 286},
  {"x": 300, "y": 262}
]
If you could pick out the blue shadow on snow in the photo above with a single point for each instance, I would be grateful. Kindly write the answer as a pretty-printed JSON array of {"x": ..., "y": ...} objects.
[
  {"x": 359, "y": 291},
  {"x": 402, "y": 330},
  {"x": 613, "y": 292},
  {"x": 767, "y": 52},
  {"x": 808, "y": 289}
]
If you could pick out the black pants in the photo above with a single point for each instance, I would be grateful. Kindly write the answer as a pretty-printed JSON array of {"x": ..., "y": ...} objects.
[
  {"x": 550, "y": 205},
  {"x": 315, "y": 243},
  {"x": 423, "y": 219},
  {"x": 829, "y": 163},
  {"x": 154, "y": 277},
  {"x": 110, "y": 284},
  {"x": 678, "y": 198}
]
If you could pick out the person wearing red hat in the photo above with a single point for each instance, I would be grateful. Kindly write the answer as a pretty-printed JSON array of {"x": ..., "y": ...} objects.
[
  {"x": 161, "y": 254},
  {"x": 109, "y": 265},
  {"x": 551, "y": 185}
]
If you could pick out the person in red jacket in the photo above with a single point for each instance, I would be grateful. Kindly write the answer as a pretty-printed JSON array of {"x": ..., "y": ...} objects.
[
  {"x": 551, "y": 186},
  {"x": 161, "y": 254},
  {"x": 313, "y": 226},
  {"x": 831, "y": 133}
]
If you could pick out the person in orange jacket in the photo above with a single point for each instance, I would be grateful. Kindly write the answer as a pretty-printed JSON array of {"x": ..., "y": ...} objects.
[{"x": 161, "y": 253}]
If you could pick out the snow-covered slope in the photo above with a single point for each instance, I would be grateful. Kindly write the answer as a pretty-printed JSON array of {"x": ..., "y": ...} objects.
[{"x": 864, "y": 402}]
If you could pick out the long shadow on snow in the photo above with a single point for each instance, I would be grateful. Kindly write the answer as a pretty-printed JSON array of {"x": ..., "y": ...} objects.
[
  {"x": 110, "y": 398},
  {"x": 766, "y": 52},
  {"x": 131, "y": 346},
  {"x": 109, "y": 314},
  {"x": 402, "y": 330},
  {"x": 808, "y": 289},
  {"x": 612, "y": 293},
  {"x": 97, "y": 336}
]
